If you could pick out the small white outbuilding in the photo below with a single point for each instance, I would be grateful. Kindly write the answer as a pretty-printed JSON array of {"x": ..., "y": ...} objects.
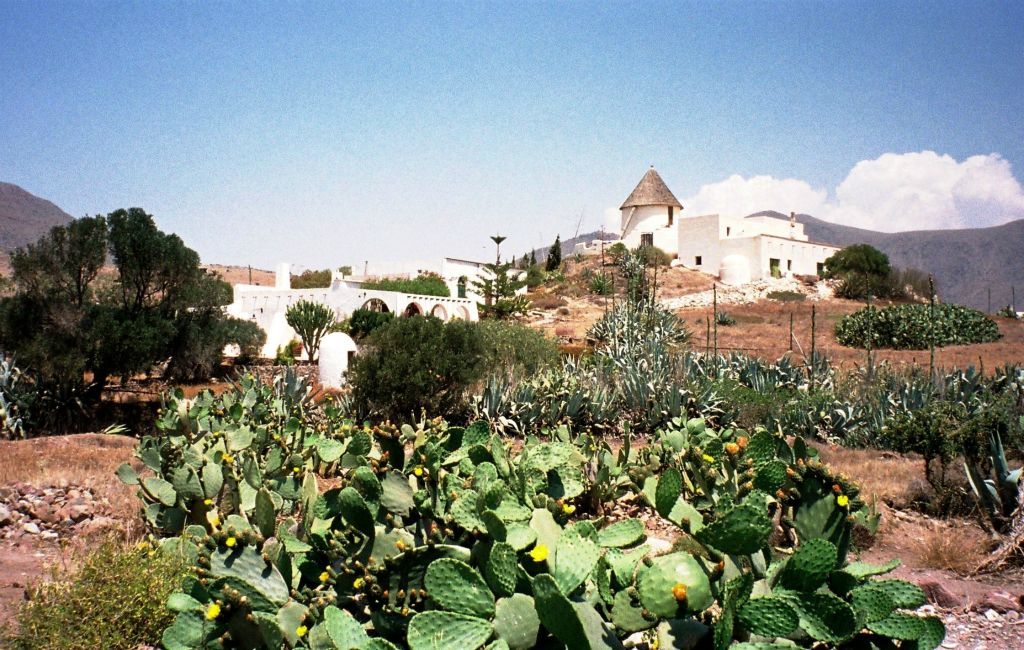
[{"x": 336, "y": 352}]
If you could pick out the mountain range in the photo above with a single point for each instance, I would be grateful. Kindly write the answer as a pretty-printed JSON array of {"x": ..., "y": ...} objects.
[
  {"x": 967, "y": 263},
  {"x": 24, "y": 217}
]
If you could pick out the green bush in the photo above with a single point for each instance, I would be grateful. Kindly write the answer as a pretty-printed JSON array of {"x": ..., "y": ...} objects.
[
  {"x": 363, "y": 322},
  {"x": 515, "y": 350},
  {"x": 909, "y": 327},
  {"x": 654, "y": 256},
  {"x": 416, "y": 364},
  {"x": 425, "y": 284},
  {"x": 724, "y": 318},
  {"x": 312, "y": 279},
  {"x": 114, "y": 600},
  {"x": 601, "y": 284},
  {"x": 786, "y": 296},
  {"x": 535, "y": 276},
  {"x": 862, "y": 269}
]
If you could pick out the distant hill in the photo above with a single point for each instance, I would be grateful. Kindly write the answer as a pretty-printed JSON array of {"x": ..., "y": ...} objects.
[
  {"x": 24, "y": 217},
  {"x": 966, "y": 263},
  {"x": 569, "y": 244}
]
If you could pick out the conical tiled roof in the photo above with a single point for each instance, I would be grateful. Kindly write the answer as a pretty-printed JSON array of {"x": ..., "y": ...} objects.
[{"x": 651, "y": 190}]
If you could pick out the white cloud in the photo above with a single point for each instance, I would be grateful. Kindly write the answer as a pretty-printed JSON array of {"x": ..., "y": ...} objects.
[
  {"x": 894, "y": 192},
  {"x": 742, "y": 196}
]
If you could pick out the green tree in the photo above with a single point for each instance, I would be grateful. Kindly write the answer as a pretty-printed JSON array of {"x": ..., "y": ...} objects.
[
  {"x": 311, "y": 321},
  {"x": 424, "y": 284},
  {"x": 312, "y": 279},
  {"x": 416, "y": 365},
  {"x": 554, "y": 255},
  {"x": 75, "y": 326},
  {"x": 498, "y": 287},
  {"x": 863, "y": 270}
]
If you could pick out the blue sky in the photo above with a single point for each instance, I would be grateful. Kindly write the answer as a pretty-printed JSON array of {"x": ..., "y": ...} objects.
[{"x": 329, "y": 133}]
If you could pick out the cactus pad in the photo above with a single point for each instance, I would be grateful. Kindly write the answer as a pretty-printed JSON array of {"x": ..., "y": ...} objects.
[
  {"x": 768, "y": 617},
  {"x": 575, "y": 558},
  {"x": 627, "y": 613},
  {"x": 249, "y": 567},
  {"x": 904, "y": 595},
  {"x": 458, "y": 587},
  {"x": 770, "y": 476},
  {"x": 743, "y": 530},
  {"x": 344, "y": 630},
  {"x": 670, "y": 486},
  {"x": 434, "y": 630},
  {"x": 824, "y": 616},
  {"x": 396, "y": 494},
  {"x": 809, "y": 566},
  {"x": 502, "y": 569},
  {"x": 864, "y": 570},
  {"x": 621, "y": 534},
  {"x": 656, "y": 583},
  {"x": 899, "y": 625},
  {"x": 872, "y": 602},
  {"x": 516, "y": 621}
]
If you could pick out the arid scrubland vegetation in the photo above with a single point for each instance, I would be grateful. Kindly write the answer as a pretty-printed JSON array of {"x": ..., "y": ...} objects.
[{"x": 618, "y": 473}]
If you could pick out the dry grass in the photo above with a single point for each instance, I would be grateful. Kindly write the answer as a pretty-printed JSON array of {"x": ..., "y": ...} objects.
[
  {"x": 87, "y": 460},
  {"x": 952, "y": 546},
  {"x": 884, "y": 477},
  {"x": 240, "y": 275}
]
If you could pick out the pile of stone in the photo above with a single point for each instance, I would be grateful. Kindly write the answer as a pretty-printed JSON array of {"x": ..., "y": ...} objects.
[
  {"x": 30, "y": 513},
  {"x": 750, "y": 293}
]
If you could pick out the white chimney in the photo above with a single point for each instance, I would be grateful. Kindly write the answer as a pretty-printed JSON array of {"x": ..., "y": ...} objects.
[{"x": 283, "y": 278}]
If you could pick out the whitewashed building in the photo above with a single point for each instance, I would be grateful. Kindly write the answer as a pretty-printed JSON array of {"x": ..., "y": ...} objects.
[
  {"x": 736, "y": 249},
  {"x": 266, "y": 306}
]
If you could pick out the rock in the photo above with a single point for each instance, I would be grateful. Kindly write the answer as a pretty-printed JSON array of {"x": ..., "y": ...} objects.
[
  {"x": 49, "y": 534},
  {"x": 992, "y": 615},
  {"x": 1000, "y": 601},
  {"x": 95, "y": 525},
  {"x": 941, "y": 596},
  {"x": 31, "y": 528},
  {"x": 6, "y": 517}
]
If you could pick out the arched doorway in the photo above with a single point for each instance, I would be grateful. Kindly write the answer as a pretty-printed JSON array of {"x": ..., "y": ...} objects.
[
  {"x": 375, "y": 304},
  {"x": 413, "y": 310},
  {"x": 463, "y": 281},
  {"x": 461, "y": 313},
  {"x": 439, "y": 312}
]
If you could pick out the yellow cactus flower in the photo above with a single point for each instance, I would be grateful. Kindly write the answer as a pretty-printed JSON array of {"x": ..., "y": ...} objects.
[
  {"x": 732, "y": 448},
  {"x": 357, "y": 583},
  {"x": 679, "y": 592},
  {"x": 843, "y": 500},
  {"x": 568, "y": 508},
  {"x": 295, "y": 470},
  {"x": 655, "y": 643},
  {"x": 213, "y": 611},
  {"x": 230, "y": 542},
  {"x": 418, "y": 471},
  {"x": 213, "y": 518},
  {"x": 539, "y": 553},
  {"x": 708, "y": 458},
  {"x": 324, "y": 577},
  {"x": 229, "y": 459},
  {"x": 301, "y": 630},
  {"x": 207, "y": 502}
]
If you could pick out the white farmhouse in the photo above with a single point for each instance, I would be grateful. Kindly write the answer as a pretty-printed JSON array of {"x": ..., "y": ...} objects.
[
  {"x": 737, "y": 249},
  {"x": 266, "y": 306}
]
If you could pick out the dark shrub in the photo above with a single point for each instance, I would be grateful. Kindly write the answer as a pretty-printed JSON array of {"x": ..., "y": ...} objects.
[{"x": 415, "y": 365}]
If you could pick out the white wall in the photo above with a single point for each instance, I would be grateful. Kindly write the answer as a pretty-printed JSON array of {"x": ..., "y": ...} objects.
[
  {"x": 795, "y": 257},
  {"x": 700, "y": 236},
  {"x": 651, "y": 219},
  {"x": 778, "y": 227},
  {"x": 266, "y": 306}
]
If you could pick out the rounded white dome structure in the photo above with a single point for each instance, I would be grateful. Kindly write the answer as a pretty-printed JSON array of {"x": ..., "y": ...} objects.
[
  {"x": 336, "y": 349},
  {"x": 735, "y": 270}
]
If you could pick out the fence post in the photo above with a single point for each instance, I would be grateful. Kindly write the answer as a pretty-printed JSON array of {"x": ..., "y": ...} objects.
[
  {"x": 931, "y": 328},
  {"x": 814, "y": 323},
  {"x": 871, "y": 332},
  {"x": 707, "y": 338},
  {"x": 790, "y": 331},
  {"x": 714, "y": 294}
]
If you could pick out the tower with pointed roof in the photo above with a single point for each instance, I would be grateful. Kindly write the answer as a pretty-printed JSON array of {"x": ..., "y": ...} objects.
[{"x": 649, "y": 214}]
